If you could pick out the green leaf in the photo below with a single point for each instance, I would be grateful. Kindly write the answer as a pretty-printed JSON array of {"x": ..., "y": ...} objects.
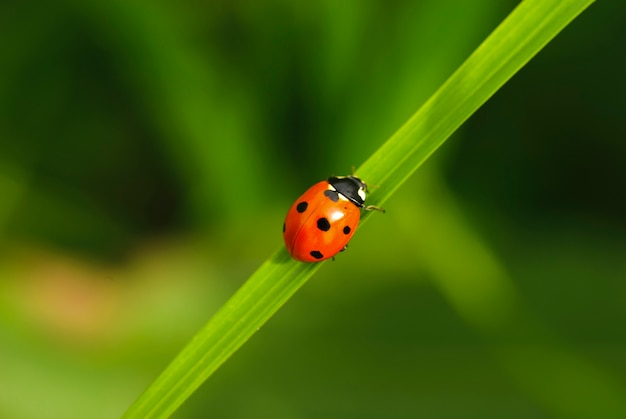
[{"x": 523, "y": 33}]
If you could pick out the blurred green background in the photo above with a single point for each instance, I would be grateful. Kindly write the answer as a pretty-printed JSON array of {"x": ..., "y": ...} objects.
[{"x": 149, "y": 151}]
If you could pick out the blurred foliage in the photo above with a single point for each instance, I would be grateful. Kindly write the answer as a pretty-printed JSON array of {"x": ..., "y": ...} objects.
[{"x": 148, "y": 153}]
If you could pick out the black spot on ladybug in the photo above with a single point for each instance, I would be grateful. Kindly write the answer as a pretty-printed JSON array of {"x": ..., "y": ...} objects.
[
  {"x": 323, "y": 224},
  {"x": 316, "y": 254},
  {"x": 283, "y": 227},
  {"x": 332, "y": 195},
  {"x": 346, "y": 230},
  {"x": 302, "y": 206}
]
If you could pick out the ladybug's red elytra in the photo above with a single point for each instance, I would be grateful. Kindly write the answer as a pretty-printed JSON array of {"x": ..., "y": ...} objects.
[{"x": 322, "y": 221}]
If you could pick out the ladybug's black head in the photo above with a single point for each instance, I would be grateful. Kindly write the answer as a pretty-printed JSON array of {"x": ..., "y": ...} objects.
[{"x": 350, "y": 187}]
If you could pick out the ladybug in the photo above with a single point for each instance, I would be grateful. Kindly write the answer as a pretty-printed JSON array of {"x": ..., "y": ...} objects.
[{"x": 322, "y": 221}]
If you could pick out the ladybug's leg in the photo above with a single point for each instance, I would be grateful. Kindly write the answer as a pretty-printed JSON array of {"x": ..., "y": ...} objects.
[
  {"x": 344, "y": 248},
  {"x": 372, "y": 207}
]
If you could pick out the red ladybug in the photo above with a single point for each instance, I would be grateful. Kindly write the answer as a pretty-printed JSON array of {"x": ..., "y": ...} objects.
[{"x": 322, "y": 221}]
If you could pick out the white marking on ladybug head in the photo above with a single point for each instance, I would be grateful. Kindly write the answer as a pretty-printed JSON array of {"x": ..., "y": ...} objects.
[{"x": 361, "y": 193}]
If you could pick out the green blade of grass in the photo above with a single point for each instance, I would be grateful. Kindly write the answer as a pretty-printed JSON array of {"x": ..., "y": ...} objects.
[
  {"x": 518, "y": 38},
  {"x": 525, "y": 31}
]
